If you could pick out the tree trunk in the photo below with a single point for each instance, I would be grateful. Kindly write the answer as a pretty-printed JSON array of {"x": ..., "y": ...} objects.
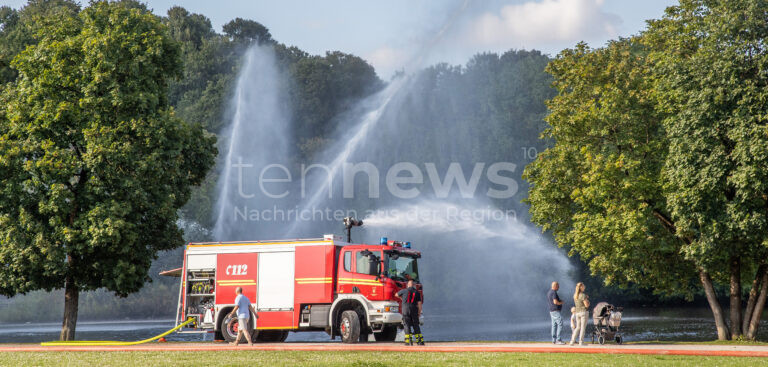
[
  {"x": 717, "y": 311},
  {"x": 735, "y": 306},
  {"x": 754, "y": 321},
  {"x": 753, "y": 293},
  {"x": 71, "y": 298}
]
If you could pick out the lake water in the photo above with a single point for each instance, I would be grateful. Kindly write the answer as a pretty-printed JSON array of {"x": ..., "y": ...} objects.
[{"x": 678, "y": 324}]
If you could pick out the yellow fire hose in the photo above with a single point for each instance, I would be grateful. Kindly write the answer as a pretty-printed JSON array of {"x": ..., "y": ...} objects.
[{"x": 107, "y": 342}]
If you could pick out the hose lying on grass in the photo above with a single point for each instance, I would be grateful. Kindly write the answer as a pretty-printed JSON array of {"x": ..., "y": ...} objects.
[{"x": 59, "y": 343}]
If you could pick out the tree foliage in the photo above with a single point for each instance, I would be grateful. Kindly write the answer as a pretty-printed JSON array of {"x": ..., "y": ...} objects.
[
  {"x": 94, "y": 160},
  {"x": 714, "y": 87},
  {"x": 710, "y": 60},
  {"x": 598, "y": 188},
  {"x": 658, "y": 171},
  {"x": 21, "y": 28},
  {"x": 246, "y": 30}
]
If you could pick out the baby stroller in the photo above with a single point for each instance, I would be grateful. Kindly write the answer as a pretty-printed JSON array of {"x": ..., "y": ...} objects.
[{"x": 606, "y": 319}]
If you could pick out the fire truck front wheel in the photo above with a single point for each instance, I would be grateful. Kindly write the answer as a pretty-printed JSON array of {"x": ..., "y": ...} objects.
[
  {"x": 229, "y": 327},
  {"x": 349, "y": 327}
]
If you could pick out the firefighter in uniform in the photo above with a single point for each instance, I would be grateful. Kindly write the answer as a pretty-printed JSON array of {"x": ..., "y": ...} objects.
[{"x": 411, "y": 302}]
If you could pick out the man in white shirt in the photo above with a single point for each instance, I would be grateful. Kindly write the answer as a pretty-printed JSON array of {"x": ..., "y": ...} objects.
[{"x": 243, "y": 308}]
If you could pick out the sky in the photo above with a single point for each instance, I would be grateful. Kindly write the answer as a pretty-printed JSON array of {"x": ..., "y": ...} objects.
[{"x": 402, "y": 34}]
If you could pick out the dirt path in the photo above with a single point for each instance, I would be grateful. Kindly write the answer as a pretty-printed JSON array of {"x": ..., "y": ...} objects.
[{"x": 662, "y": 349}]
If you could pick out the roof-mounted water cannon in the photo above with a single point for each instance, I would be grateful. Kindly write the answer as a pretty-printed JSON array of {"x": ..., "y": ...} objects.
[{"x": 350, "y": 222}]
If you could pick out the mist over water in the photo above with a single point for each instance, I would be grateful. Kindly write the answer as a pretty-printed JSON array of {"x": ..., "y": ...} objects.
[
  {"x": 475, "y": 257},
  {"x": 450, "y": 217}
]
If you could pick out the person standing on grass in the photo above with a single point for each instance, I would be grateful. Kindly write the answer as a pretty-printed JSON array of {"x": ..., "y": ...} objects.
[
  {"x": 573, "y": 319},
  {"x": 243, "y": 308},
  {"x": 411, "y": 308},
  {"x": 555, "y": 309},
  {"x": 581, "y": 303}
]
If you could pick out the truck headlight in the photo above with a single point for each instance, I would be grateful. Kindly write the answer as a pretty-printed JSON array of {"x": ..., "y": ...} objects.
[{"x": 391, "y": 309}]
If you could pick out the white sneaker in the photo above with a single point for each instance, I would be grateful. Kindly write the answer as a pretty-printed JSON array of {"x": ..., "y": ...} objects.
[{"x": 560, "y": 342}]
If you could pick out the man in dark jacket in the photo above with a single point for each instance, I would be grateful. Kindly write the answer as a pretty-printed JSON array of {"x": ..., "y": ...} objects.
[
  {"x": 555, "y": 307},
  {"x": 411, "y": 308}
]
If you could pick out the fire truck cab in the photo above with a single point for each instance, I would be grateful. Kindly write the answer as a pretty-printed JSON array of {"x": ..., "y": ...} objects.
[{"x": 324, "y": 284}]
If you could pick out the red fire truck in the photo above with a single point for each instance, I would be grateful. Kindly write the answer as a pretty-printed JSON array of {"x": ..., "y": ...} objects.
[{"x": 322, "y": 284}]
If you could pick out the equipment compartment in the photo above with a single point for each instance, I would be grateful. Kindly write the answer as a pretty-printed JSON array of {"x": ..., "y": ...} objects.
[{"x": 200, "y": 297}]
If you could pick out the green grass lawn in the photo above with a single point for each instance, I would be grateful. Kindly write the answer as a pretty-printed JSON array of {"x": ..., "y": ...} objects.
[{"x": 298, "y": 358}]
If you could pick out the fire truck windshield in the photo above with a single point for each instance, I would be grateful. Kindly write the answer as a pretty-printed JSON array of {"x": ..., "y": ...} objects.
[{"x": 401, "y": 267}]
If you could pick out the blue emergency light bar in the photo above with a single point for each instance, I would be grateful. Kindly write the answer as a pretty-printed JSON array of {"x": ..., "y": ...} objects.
[{"x": 386, "y": 241}]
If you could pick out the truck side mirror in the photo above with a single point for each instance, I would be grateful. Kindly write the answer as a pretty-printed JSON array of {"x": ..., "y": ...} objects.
[{"x": 380, "y": 270}]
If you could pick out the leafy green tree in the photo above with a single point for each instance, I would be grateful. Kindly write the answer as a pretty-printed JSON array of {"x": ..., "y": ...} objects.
[
  {"x": 597, "y": 189},
  {"x": 710, "y": 65},
  {"x": 658, "y": 172},
  {"x": 95, "y": 163}
]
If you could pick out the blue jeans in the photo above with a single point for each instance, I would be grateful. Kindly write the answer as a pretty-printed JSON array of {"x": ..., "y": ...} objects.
[{"x": 557, "y": 325}]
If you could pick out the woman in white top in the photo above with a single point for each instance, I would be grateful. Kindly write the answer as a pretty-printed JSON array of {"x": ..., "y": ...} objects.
[{"x": 581, "y": 303}]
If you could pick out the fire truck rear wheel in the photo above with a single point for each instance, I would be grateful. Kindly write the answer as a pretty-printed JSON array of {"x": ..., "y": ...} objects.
[
  {"x": 387, "y": 334},
  {"x": 349, "y": 327}
]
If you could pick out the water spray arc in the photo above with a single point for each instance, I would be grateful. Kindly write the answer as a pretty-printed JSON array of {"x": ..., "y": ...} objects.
[
  {"x": 259, "y": 136},
  {"x": 347, "y": 147}
]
